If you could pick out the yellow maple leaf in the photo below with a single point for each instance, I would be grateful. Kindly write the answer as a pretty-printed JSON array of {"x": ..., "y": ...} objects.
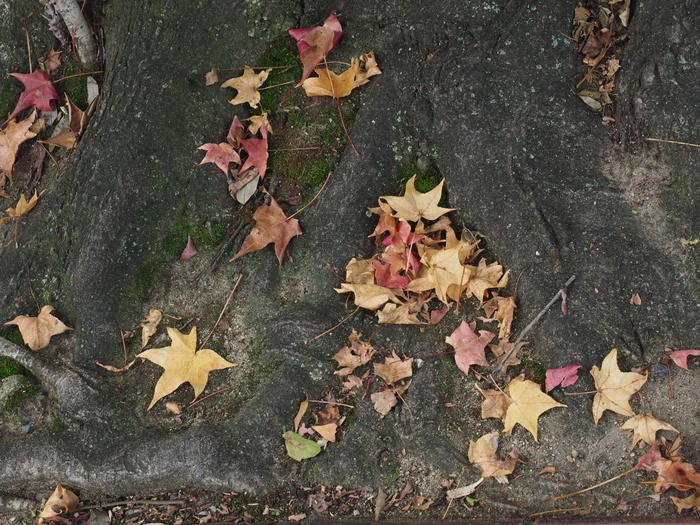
[
  {"x": 37, "y": 331},
  {"x": 370, "y": 296},
  {"x": 528, "y": 404},
  {"x": 614, "y": 387},
  {"x": 443, "y": 272},
  {"x": 22, "y": 207},
  {"x": 11, "y": 137},
  {"x": 414, "y": 205},
  {"x": 482, "y": 454},
  {"x": 183, "y": 364},
  {"x": 330, "y": 84},
  {"x": 247, "y": 86},
  {"x": 644, "y": 428},
  {"x": 394, "y": 369},
  {"x": 484, "y": 277}
]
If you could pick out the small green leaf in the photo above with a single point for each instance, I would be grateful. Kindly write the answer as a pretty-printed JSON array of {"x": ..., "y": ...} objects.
[{"x": 299, "y": 447}]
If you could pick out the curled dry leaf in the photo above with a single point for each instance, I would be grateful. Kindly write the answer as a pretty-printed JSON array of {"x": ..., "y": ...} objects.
[
  {"x": 11, "y": 137},
  {"x": 150, "y": 325},
  {"x": 303, "y": 407},
  {"x": 61, "y": 501},
  {"x": 356, "y": 354},
  {"x": 37, "y": 331},
  {"x": 482, "y": 454},
  {"x": 189, "y": 251},
  {"x": 614, "y": 387},
  {"x": 501, "y": 309},
  {"x": 211, "y": 77},
  {"x": 22, "y": 207},
  {"x": 115, "y": 369},
  {"x": 327, "y": 431}
]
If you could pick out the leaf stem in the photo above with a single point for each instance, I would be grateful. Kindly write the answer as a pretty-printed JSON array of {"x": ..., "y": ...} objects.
[
  {"x": 667, "y": 141},
  {"x": 77, "y": 75},
  {"x": 277, "y": 85},
  {"x": 228, "y": 300},
  {"x": 330, "y": 403},
  {"x": 197, "y": 401},
  {"x": 325, "y": 183},
  {"x": 576, "y": 493},
  {"x": 340, "y": 111},
  {"x": 319, "y": 336}
]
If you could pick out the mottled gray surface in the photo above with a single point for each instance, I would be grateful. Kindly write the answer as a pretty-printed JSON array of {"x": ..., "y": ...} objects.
[{"x": 485, "y": 92}]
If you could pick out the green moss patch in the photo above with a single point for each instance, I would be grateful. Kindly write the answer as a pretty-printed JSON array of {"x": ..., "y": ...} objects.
[
  {"x": 426, "y": 178},
  {"x": 10, "y": 367}
]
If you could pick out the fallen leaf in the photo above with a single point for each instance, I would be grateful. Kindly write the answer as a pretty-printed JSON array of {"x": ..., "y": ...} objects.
[
  {"x": 691, "y": 502},
  {"x": 247, "y": 86},
  {"x": 182, "y": 363},
  {"x": 635, "y": 300},
  {"x": 65, "y": 139},
  {"x": 394, "y": 369},
  {"x": 236, "y": 132},
  {"x": 297, "y": 517},
  {"x": 22, "y": 207},
  {"x": 52, "y": 60},
  {"x": 467, "y": 490},
  {"x": 303, "y": 407},
  {"x": 271, "y": 226},
  {"x": 443, "y": 272},
  {"x": 330, "y": 413},
  {"x": 189, "y": 251},
  {"x": 116, "y": 369},
  {"x": 330, "y": 84},
  {"x": 547, "y": 470},
  {"x": 221, "y": 154},
  {"x": 644, "y": 428},
  {"x": 485, "y": 277},
  {"x": 501, "y": 309},
  {"x": 300, "y": 448},
  {"x": 350, "y": 357},
  {"x": 680, "y": 357},
  {"x": 327, "y": 431},
  {"x": 614, "y": 388},
  {"x": 257, "y": 150},
  {"x": 61, "y": 501},
  {"x": 482, "y": 454},
  {"x": 38, "y": 91},
  {"x": 395, "y": 314},
  {"x": 563, "y": 377},
  {"x": 11, "y": 137},
  {"x": 259, "y": 121},
  {"x": 369, "y": 296},
  {"x": 379, "y": 503},
  {"x": 173, "y": 407},
  {"x": 37, "y": 331},
  {"x": 528, "y": 404},
  {"x": 247, "y": 187},
  {"x": 414, "y": 205},
  {"x": 503, "y": 348},
  {"x": 384, "y": 401},
  {"x": 314, "y": 43},
  {"x": 469, "y": 347},
  {"x": 211, "y": 77},
  {"x": 495, "y": 403},
  {"x": 150, "y": 325}
]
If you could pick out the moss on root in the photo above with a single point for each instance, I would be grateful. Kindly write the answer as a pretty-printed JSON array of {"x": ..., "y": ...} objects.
[{"x": 426, "y": 177}]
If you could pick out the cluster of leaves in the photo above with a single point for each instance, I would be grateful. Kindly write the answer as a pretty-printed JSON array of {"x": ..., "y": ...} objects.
[
  {"x": 422, "y": 259},
  {"x": 599, "y": 30},
  {"x": 246, "y": 147}
]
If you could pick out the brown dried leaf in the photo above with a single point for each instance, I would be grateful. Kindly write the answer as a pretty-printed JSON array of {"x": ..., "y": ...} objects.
[
  {"x": 394, "y": 369},
  {"x": 482, "y": 453},
  {"x": 37, "y": 331}
]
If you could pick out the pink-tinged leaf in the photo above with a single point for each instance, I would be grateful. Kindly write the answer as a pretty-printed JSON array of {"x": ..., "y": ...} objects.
[
  {"x": 257, "y": 153},
  {"x": 563, "y": 377},
  {"x": 220, "y": 154},
  {"x": 437, "y": 315},
  {"x": 469, "y": 347},
  {"x": 38, "y": 92},
  {"x": 386, "y": 277},
  {"x": 314, "y": 43},
  {"x": 680, "y": 357},
  {"x": 564, "y": 303},
  {"x": 189, "y": 251},
  {"x": 236, "y": 132}
]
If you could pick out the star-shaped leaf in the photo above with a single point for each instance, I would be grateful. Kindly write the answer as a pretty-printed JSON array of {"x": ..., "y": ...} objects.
[
  {"x": 414, "y": 205},
  {"x": 221, "y": 154},
  {"x": 314, "y": 43},
  {"x": 394, "y": 369},
  {"x": 469, "y": 347},
  {"x": 528, "y": 404},
  {"x": 370, "y": 296},
  {"x": 37, "y": 331},
  {"x": 442, "y": 272},
  {"x": 247, "y": 86},
  {"x": 501, "y": 309},
  {"x": 182, "y": 363},
  {"x": 271, "y": 226},
  {"x": 484, "y": 277},
  {"x": 38, "y": 92},
  {"x": 482, "y": 454},
  {"x": 644, "y": 428},
  {"x": 22, "y": 207},
  {"x": 257, "y": 150},
  {"x": 11, "y": 137},
  {"x": 614, "y": 388}
]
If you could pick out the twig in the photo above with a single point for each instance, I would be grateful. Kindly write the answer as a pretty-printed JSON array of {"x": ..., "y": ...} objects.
[
  {"x": 555, "y": 511},
  {"x": 77, "y": 75},
  {"x": 325, "y": 183},
  {"x": 621, "y": 475},
  {"x": 311, "y": 148},
  {"x": 533, "y": 323},
  {"x": 197, "y": 401},
  {"x": 228, "y": 300},
  {"x": 254, "y": 67},
  {"x": 277, "y": 85},
  {"x": 48, "y": 152},
  {"x": 340, "y": 111},
  {"x": 132, "y": 502},
  {"x": 404, "y": 402},
  {"x": 319, "y": 336},
  {"x": 330, "y": 403},
  {"x": 588, "y": 393},
  {"x": 29, "y": 49},
  {"x": 666, "y": 141}
]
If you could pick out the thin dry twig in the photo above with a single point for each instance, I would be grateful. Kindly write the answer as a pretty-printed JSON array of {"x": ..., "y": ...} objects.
[
  {"x": 340, "y": 113},
  {"x": 344, "y": 319},
  {"x": 330, "y": 403},
  {"x": 77, "y": 75},
  {"x": 667, "y": 141},
  {"x": 129, "y": 502},
  {"x": 323, "y": 186},
  {"x": 597, "y": 485},
  {"x": 534, "y": 322},
  {"x": 556, "y": 511},
  {"x": 212, "y": 394},
  {"x": 228, "y": 300},
  {"x": 277, "y": 85}
]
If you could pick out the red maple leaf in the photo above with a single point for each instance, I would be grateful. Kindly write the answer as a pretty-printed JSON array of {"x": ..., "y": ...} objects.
[
  {"x": 387, "y": 276},
  {"x": 38, "y": 92},
  {"x": 271, "y": 226},
  {"x": 220, "y": 154},
  {"x": 236, "y": 132},
  {"x": 680, "y": 357},
  {"x": 565, "y": 376},
  {"x": 257, "y": 153},
  {"x": 469, "y": 347},
  {"x": 314, "y": 43}
]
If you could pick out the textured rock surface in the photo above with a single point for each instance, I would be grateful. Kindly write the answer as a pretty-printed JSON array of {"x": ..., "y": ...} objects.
[{"x": 483, "y": 95}]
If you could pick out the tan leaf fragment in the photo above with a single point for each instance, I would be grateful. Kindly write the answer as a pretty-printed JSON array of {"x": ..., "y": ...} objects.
[
  {"x": 22, "y": 207},
  {"x": 501, "y": 309},
  {"x": 247, "y": 86},
  {"x": 384, "y": 401},
  {"x": 37, "y": 331},
  {"x": 350, "y": 357},
  {"x": 691, "y": 502},
  {"x": 485, "y": 277},
  {"x": 635, "y": 300},
  {"x": 114, "y": 369},
  {"x": 528, "y": 404},
  {"x": 395, "y": 314},
  {"x": 182, "y": 363},
  {"x": 467, "y": 490},
  {"x": 61, "y": 501},
  {"x": 150, "y": 325},
  {"x": 482, "y": 454},
  {"x": 614, "y": 387},
  {"x": 495, "y": 403},
  {"x": 11, "y": 137},
  {"x": 644, "y": 428},
  {"x": 211, "y": 77},
  {"x": 303, "y": 406},
  {"x": 394, "y": 369},
  {"x": 259, "y": 121},
  {"x": 327, "y": 431}
]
